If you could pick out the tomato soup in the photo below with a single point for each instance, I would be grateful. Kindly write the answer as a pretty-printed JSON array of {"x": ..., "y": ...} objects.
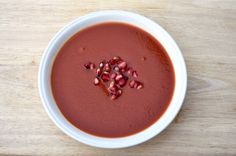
[{"x": 80, "y": 92}]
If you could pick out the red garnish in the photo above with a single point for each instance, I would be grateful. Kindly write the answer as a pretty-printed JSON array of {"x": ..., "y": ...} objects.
[
  {"x": 99, "y": 71},
  {"x": 135, "y": 74},
  {"x": 113, "y": 75},
  {"x": 122, "y": 65},
  {"x": 105, "y": 77},
  {"x": 131, "y": 83},
  {"x": 96, "y": 81},
  {"x": 89, "y": 65}
]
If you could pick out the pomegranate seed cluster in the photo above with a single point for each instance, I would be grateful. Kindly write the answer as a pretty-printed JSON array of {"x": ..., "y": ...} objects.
[{"x": 115, "y": 74}]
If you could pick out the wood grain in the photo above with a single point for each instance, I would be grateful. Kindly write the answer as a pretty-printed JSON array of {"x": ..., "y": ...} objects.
[{"x": 206, "y": 33}]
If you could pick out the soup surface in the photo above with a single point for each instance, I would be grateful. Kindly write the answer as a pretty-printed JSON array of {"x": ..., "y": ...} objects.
[{"x": 86, "y": 106}]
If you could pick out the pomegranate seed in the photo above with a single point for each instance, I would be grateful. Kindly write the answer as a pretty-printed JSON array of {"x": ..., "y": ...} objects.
[
  {"x": 87, "y": 65},
  {"x": 136, "y": 84},
  {"x": 119, "y": 92},
  {"x": 122, "y": 65},
  {"x": 113, "y": 76},
  {"x": 112, "y": 84},
  {"x": 122, "y": 82},
  {"x": 101, "y": 65},
  {"x": 116, "y": 58},
  {"x": 131, "y": 83},
  {"x": 107, "y": 67},
  {"x": 130, "y": 71},
  {"x": 98, "y": 71},
  {"x": 118, "y": 77},
  {"x": 92, "y": 66},
  {"x": 96, "y": 81},
  {"x": 116, "y": 95},
  {"x": 112, "y": 62},
  {"x": 116, "y": 69},
  {"x": 113, "y": 89},
  {"x": 105, "y": 77},
  {"x": 135, "y": 74},
  {"x": 140, "y": 86},
  {"x": 113, "y": 97}
]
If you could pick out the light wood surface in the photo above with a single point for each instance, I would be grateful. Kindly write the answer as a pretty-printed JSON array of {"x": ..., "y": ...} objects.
[{"x": 206, "y": 33}]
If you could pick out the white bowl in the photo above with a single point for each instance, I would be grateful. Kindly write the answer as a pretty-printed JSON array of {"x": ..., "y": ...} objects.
[{"x": 107, "y": 16}]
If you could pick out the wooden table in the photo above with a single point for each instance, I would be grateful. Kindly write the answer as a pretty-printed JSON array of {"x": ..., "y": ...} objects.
[{"x": 206, "y": 33}]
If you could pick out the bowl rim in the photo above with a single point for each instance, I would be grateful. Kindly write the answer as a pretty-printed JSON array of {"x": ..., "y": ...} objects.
[{"x": 103, "y": 142}]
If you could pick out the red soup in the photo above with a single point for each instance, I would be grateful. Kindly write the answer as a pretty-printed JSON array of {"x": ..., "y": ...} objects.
[{"x": 87, "y": 67}]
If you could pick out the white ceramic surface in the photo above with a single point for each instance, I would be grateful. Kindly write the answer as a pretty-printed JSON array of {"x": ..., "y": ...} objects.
[{"x": 107, "y": 16}]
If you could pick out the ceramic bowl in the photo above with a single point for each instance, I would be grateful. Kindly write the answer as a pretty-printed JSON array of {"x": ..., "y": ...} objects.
[{"x": 109, "y": 16}]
